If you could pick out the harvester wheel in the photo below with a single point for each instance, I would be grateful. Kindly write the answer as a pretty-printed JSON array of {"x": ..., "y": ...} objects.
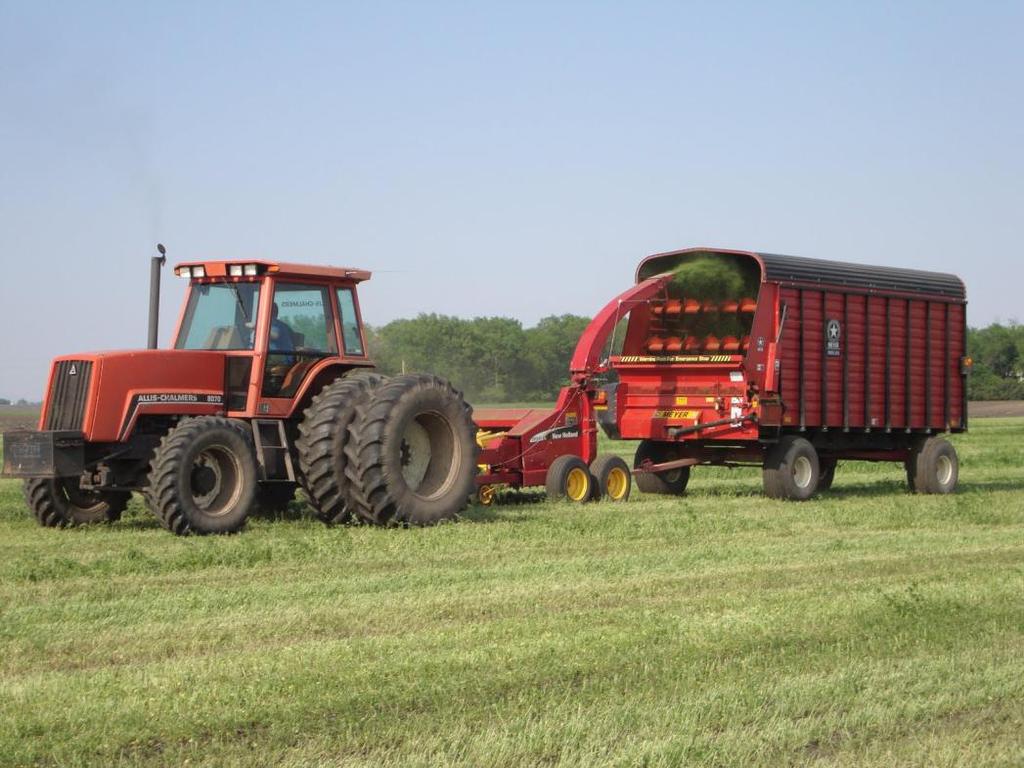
[
  {"x": 827, "y": 474},
  {"x": 274, "y": 498},
  {"x": 412, "y": 452},
  {"x": 671, "y": 482},
  {"x": 203, "y": 477},
  {"x": 933, "y": 467},
  {"x": 569, "y": 479},
  {"x": 57, "y": 504},
  {"x": 323, "y": 436},
  {"x": 612, "y": 478},
  {"x": 791, "y": 470}
]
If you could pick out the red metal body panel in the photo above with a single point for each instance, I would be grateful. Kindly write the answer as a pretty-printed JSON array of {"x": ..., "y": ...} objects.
[
  {"x": 858, "y": 354},
  {"x": 530, "y": 440},
  {"x": 899, "y": 365},
  {"x": 129, "y": 384}
]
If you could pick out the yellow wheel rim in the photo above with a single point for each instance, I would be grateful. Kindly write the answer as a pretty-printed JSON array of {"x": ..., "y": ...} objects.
[
  {"x": 486, "y": 495},
  {"x": 577, "y": 484},
  {"x": 616, "y": 484}
]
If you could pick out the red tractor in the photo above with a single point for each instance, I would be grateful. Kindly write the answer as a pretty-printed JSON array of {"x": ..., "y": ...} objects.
[{"x": 268, "y": 387}]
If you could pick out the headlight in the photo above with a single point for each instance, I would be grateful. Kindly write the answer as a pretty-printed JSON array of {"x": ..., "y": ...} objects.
[
  {"x": 250, "y": 270},
  {"x": 198, "y": 271},
  {"x": 235, "y": 270}
]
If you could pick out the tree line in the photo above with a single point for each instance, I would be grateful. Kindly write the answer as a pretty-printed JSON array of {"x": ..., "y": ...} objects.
[
  {"x": 998, "y": 354},
  {"x": 496, "y": 359}
]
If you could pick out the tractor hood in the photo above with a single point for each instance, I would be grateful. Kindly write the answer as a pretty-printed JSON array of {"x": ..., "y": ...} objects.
[{"x": 102, "y": 394}]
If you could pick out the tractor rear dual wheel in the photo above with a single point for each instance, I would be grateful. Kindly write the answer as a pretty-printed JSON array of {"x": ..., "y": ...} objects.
[
  {"x": 59, "y": 503},
  {"x": 411, "y": 452},
  {"x": 203, "y": 476},
  {"x": 323, "y": 437}
]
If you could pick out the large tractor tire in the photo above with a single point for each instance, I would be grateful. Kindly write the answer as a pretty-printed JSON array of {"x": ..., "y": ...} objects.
[
  {"x": 791, "y": 470},
  {"x": 933, "y": 467},
  {"x": 323, "y": 436},
  {"x": 673, "y": 481},
  {"x": 612, "y": 478},
  {"x": 56, "y": 503},
  {"x": 412, "y": 452},
  {"x": 203, "y": 477}
]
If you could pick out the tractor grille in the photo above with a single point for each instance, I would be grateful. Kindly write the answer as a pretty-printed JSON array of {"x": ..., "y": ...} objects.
[{"x": 65, "y": 407}]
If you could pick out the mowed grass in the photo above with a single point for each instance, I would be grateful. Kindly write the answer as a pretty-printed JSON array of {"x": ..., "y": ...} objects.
[{"x": 868, "y": 627}]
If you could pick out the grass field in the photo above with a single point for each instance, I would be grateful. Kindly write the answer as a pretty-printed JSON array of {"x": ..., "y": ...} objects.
[{"x": 868, "y": 627}]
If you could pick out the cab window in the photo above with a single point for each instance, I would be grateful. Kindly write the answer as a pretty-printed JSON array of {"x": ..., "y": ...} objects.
[
  {"x": 349, "y": 322},
  {"x": 301, "y": 333},
  {"x": 220, "y": 316}
]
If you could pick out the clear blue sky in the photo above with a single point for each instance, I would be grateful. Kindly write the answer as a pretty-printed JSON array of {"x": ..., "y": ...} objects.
[{"x": 492, "y": 159}]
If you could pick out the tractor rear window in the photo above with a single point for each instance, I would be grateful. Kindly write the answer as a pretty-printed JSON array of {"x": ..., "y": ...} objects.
[{"x": 220, "y": 316}]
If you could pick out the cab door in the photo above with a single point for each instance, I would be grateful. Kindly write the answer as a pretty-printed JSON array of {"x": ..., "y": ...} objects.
[{"x": 301, "y": 331}]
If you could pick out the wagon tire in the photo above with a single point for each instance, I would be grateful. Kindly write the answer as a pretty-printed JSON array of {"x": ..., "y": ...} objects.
[
  {"x": 672, "y": 482},
  {"x": 933, "y": 467},
  {"x": 569, "y": 479},
  {"x": 324, "y": 434},
  {"x": 611, "y": 477},
  {"x": 791, "y": 470},
  {"x": 826, "y": 476},
  {"x": 412, "y": 452},
  {"x": 203, "y": 477},
  {"x": 56, "y": 504}
]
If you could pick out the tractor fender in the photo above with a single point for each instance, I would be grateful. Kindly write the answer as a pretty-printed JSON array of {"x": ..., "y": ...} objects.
[{"x": 319, "y": 376}]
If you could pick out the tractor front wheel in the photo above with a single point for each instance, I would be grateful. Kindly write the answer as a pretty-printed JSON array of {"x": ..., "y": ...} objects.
[
  {"x": 57, "y": 503},
  {"x": 203, "y": 477}
]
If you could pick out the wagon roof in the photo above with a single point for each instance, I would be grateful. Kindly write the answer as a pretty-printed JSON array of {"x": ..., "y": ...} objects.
[{"x": 778, "y": 268}]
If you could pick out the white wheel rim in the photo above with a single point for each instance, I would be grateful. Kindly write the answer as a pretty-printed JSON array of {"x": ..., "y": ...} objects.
[
  {"x": 415, "y": 454},
  {"x": 944, "y": 470},
  {"x": 802, "y": 472}
]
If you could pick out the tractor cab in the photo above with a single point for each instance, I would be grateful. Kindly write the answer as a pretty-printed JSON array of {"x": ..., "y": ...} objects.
[{"x": 276, "y": 324}]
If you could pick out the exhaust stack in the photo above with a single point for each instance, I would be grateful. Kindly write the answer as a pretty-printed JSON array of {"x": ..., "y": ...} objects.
[{"x": 154, "y": 294}]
